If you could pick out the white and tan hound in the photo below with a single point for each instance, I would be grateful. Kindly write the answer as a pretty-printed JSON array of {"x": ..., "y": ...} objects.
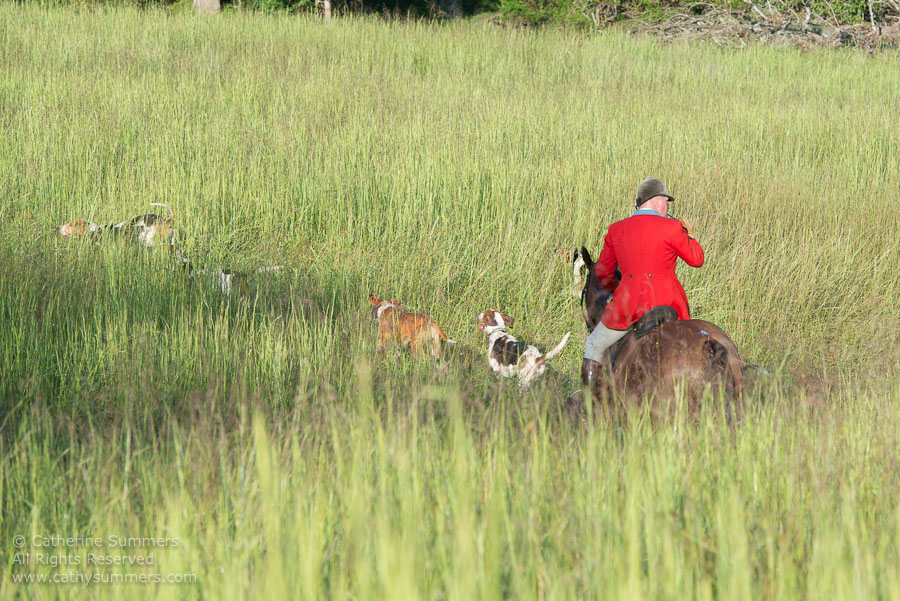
[
  {"x": 225, "y": 280},
  {"x": 149, "y": 229},
  {"x": 509, "y": 357}
]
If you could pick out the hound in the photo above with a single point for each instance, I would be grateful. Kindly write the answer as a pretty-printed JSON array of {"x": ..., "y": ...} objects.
[
  {"x": 149, "y": 228},
  {"x": 226, "y": 279},
  {"x": 509, "y": 357},
  {"x": 415, "y": 329}
]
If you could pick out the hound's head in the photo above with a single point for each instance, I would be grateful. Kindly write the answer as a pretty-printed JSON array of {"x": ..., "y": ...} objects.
[
  {"x": 379, "y": 305},
  {"x": 77, "y": 227},
  {"x": 492, "y": 321}
]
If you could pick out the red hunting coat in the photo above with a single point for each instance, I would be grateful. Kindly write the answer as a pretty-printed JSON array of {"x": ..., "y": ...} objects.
[{"x": 645, "y": 247}]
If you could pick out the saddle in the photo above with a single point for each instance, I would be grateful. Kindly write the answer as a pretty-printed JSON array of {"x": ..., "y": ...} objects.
[{"x": 639, "y": 329}]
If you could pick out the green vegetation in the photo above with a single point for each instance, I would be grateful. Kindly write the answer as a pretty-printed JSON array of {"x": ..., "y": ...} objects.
[{"x": 440, "y": 165}]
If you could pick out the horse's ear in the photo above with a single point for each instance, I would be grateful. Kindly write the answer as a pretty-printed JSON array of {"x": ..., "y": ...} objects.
[{"x": 586, "y": 256}]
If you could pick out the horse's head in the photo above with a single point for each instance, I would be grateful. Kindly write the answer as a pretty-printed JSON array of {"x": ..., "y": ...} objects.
[{"x": 593, "y": 297}]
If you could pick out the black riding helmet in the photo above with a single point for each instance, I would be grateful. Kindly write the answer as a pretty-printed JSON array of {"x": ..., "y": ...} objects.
[{"x": 649, "y": 188}]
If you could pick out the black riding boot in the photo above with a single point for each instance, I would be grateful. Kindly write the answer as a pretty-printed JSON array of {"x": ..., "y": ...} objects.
[{"x": 592, "y": 375}]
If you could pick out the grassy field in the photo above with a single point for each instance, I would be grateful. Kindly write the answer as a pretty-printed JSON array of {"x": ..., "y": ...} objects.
[{"x": 441, "y": 165}]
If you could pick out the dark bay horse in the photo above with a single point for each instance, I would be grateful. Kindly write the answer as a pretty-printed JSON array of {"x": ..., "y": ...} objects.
[{"x": 690, "y": 353}]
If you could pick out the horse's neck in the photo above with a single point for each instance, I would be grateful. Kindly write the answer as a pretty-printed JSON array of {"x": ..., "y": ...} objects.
[{"x": 590, "y": 300}]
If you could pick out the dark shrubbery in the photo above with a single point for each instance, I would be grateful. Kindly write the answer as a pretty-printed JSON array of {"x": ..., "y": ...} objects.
[{"x": 597, "y": 12}]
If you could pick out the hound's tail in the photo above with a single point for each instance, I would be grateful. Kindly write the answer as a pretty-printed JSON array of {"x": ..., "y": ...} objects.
[
  {"x": 440, "y": 333},
  {"x": 167, "y": 207},
  {"x": 556, "y": 350}
]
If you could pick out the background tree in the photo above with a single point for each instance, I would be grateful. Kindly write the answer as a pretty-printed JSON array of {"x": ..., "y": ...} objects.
[{"x": 207, "y": 6}]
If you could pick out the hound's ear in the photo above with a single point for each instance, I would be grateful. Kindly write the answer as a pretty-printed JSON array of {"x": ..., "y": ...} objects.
[
  {"x": 507, "y": 320},
  {"x": 586, "y": 256},
  {"x": 574, "y": 255},
  {"x": 374, "y": 299}
]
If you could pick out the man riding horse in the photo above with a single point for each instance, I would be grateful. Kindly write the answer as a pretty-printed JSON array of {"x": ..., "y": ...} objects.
[{"x": 645, "y": 248}]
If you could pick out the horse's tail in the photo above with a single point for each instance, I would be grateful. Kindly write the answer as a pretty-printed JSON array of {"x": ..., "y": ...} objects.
[
  {"x": 720, "y": 361},
  {"x": 555, "y": 350}
]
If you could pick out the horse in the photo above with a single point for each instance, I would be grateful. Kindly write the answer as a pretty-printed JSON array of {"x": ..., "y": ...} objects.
[{"x": 658, "y": 360}]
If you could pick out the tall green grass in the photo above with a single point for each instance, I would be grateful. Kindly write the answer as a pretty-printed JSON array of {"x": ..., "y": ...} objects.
[{"x": 438, "y": 164}]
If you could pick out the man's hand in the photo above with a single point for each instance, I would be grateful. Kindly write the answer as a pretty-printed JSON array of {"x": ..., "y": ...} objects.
[{"x": 688, "y": 227}]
